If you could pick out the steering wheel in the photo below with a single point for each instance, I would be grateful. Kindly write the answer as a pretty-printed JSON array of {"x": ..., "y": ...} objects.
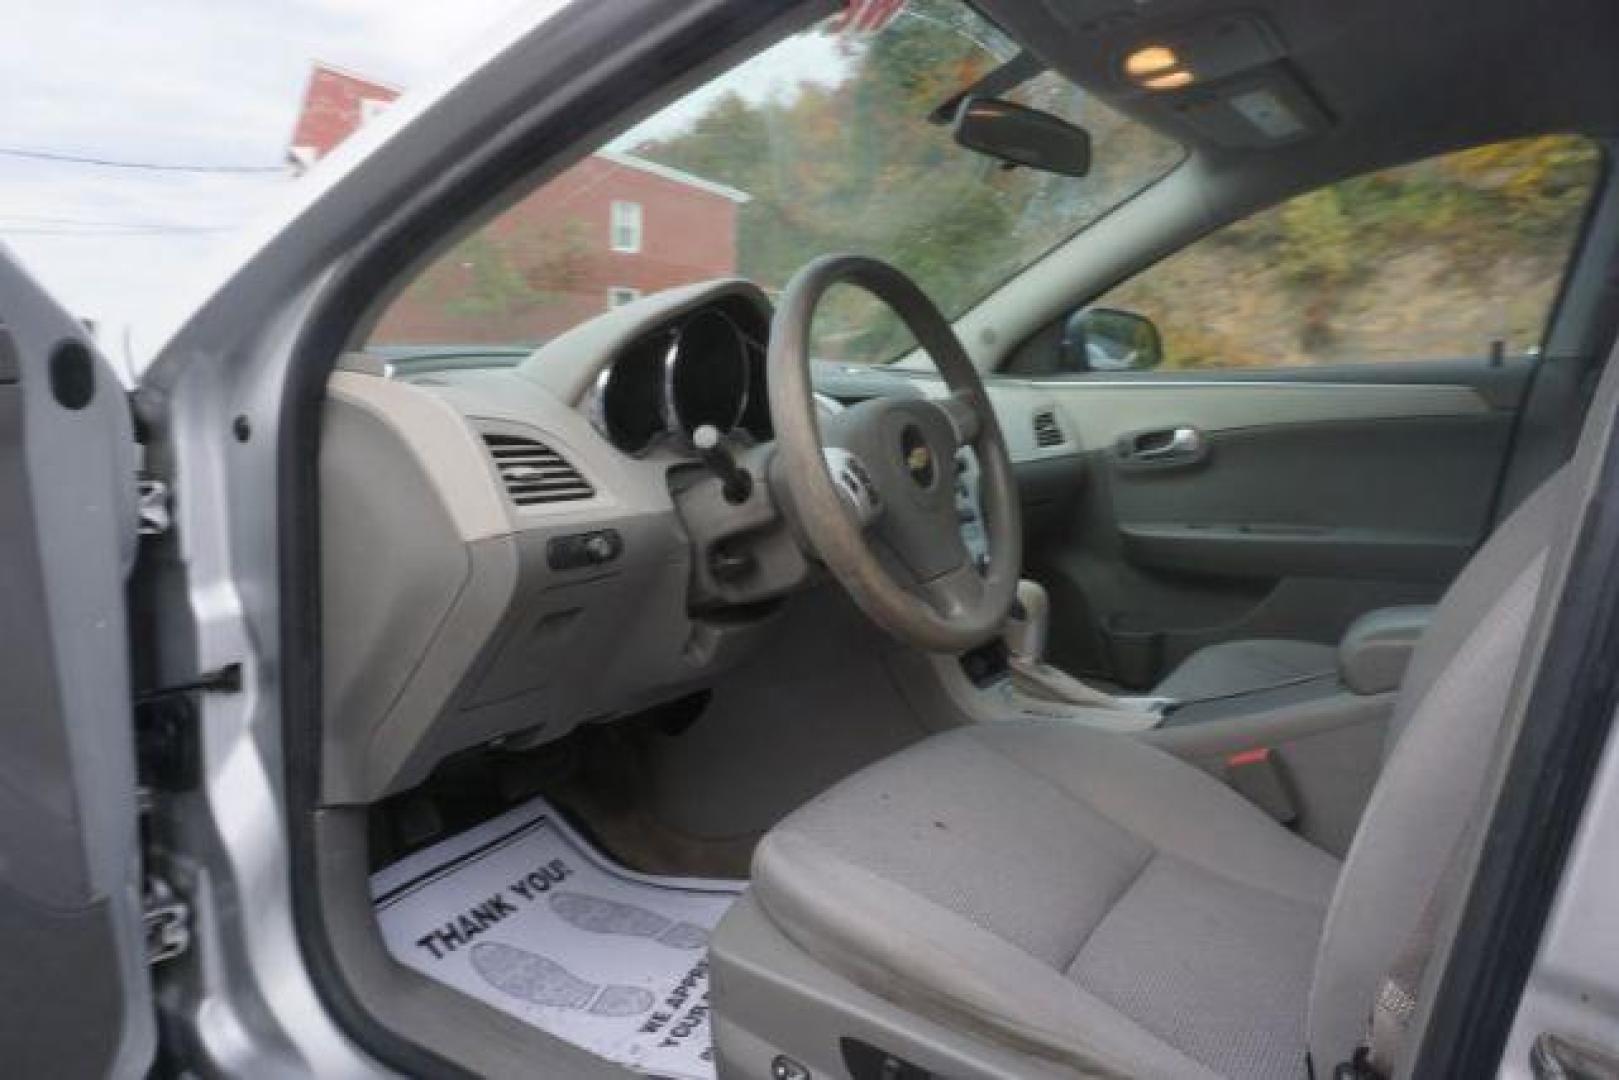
[{"x": 873, "y": 489}]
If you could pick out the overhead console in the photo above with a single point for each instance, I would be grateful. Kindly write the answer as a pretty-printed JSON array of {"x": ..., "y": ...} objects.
[{"x": 1225, "y": 79}]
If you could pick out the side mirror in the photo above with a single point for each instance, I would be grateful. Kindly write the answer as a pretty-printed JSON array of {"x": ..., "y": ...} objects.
[
  {"x": 1019, "y": 135},
  {"x": 1104, "y": 339}
]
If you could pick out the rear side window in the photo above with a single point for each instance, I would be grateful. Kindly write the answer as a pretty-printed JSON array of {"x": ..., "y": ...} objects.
[{"x": 1455, "y": 257}]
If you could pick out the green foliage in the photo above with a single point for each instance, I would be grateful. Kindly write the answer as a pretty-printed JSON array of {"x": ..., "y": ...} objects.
[
  {"x": 506, "y": 272},
  {"x": 856, "y": 168},
  {"x": 845, "y": 162},
  {"x": 1431, "y": 260},
  {"x": 492, "y": 285}
]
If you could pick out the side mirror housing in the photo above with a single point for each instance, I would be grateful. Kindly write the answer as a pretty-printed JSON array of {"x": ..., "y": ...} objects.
[
  {"x": 1105, "y": 339},
  {"x": 1019, "y": 135}
]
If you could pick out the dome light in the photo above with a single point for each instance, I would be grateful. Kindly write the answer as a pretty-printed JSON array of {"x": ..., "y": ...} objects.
[
  {"x": 1173, "y": 80},
  {"x": 1150, "y": 60}
]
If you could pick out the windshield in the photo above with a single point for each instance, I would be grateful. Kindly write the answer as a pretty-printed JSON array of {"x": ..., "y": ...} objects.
[{"x": 820, "y": 144}]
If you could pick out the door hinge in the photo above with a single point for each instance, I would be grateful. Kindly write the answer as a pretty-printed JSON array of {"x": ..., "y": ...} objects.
[
  {"x": 168, "y": 922},
  {"x": 155, "y": 515}
]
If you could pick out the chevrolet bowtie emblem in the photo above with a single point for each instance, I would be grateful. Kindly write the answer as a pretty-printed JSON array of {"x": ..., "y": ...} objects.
[{"x": 919, "y": 461}]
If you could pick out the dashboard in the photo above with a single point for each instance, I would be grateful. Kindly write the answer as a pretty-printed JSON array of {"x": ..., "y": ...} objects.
[{"x": 510, "y": 550}]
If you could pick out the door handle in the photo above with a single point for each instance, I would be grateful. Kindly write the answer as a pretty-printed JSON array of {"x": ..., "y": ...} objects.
[{"x": 1162, "y": 446}]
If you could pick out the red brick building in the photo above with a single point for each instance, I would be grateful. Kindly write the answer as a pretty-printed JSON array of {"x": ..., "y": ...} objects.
[{"x": 606, "y": 231}]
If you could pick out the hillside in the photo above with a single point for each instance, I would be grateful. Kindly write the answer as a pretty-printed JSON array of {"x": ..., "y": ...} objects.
[{"x": 1434, "y": 260}]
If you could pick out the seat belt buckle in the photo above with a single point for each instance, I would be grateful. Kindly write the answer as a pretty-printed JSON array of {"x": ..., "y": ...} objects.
[
  {"x": 1256, "y": 776},
  {"x": 1359, "y": 1067}
]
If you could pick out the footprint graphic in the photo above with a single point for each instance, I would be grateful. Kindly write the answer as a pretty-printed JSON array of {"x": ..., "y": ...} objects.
[
  {"x": 601, "y": 916},
  {"x": 543, "y": 981}
]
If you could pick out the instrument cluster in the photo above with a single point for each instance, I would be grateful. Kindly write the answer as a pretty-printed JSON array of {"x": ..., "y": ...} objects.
[{"x": 705, "y": 366}]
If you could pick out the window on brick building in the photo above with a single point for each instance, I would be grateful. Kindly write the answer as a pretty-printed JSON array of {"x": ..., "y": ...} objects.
[
  {"x": 619, "y": 295},
  {"x": 371, "y": 108},
  {"x": 626, "y": 226}
]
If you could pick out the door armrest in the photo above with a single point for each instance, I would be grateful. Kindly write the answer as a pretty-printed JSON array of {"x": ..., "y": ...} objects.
[{"x": 1377, "y": 648}]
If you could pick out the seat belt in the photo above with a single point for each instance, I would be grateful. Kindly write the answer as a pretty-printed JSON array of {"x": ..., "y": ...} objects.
[{"x": 1395, "y": 1005}]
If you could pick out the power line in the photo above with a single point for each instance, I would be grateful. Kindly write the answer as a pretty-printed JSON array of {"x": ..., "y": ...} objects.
[
  {"x": 103, "y": 233},
  {"x": 52, "y": 225},
  {"x": 148, "y": 166},
  {"x": 8, "y": 221}
]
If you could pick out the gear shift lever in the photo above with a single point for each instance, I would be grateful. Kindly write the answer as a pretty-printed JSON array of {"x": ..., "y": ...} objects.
[
  {"x": 1025, "y": 635},
  {"x": 1030, "y": 622}
]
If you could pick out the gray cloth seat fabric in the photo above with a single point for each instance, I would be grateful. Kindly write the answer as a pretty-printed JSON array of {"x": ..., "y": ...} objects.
[
  {"x": 1083, "y": 897},
  {"x": 1232, "y": 667},
  {"x": 1062, "y": 886}
]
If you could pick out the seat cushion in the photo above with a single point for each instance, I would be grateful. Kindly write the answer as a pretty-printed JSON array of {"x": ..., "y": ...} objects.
[
  {"x": 1233, "y": 667},
  {"x": 1075, "y": 893}
]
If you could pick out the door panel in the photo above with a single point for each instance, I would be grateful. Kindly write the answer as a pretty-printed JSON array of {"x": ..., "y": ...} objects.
[
  {"x": 1402, "y": 500},
  {"x": 74, "y": 981},
  {"x": 1299, "y": 505},
  {"x": 1322, "y": 398}
]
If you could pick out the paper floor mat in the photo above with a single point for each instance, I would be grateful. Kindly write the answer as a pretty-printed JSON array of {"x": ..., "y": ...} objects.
[{"x": 523, "y": 915}]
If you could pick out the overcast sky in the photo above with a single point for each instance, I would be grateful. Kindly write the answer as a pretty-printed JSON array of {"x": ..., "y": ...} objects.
[
  {"x": 213, "y": 83},
  {"x": 175, "y": 82}
]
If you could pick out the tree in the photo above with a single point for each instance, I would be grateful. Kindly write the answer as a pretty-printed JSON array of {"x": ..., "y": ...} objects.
[
  {"x": 855, "y": 167},
  {"x": 509, "y": 272}
]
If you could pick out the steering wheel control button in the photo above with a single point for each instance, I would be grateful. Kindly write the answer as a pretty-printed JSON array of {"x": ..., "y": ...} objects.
[
  {"x": 855, "y": 483},
  {"x": 580, "y": 550}
]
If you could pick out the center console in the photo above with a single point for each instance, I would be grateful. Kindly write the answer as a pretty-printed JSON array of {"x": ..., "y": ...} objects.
[
  {"x": 1014, "y": 673},
  {"x": 1306, "y": 750}
]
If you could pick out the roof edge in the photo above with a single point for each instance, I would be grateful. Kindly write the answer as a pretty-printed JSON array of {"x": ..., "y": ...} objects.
[{"x": 679, "y": 176}]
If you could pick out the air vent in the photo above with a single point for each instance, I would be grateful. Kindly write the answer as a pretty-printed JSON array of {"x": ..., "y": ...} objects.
[
  {"x": 534, "y": 473},
  {"x": 1046, "y": 430}
]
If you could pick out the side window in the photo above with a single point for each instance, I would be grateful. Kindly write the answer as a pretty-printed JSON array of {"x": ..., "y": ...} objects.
[{"x": 1456, "y": 257}]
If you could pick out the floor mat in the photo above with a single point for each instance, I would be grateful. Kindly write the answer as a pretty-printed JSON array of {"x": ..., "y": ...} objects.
[{"x": 522, "y": 914}]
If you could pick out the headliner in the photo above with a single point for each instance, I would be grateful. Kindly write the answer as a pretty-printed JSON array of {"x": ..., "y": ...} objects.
[{"x": 1402, "y": 79}]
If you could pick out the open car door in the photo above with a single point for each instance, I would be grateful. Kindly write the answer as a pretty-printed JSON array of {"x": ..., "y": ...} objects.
[{"x": 77, "y": 998}]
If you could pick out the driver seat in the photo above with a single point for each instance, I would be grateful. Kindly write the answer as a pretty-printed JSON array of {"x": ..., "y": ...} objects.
[{"x": 1078, "y": 901}]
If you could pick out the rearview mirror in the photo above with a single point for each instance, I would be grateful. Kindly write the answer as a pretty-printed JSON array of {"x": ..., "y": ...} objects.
[
  {"x": 1019, "y": 135},
  {"x": 1105, "y": 339}
]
